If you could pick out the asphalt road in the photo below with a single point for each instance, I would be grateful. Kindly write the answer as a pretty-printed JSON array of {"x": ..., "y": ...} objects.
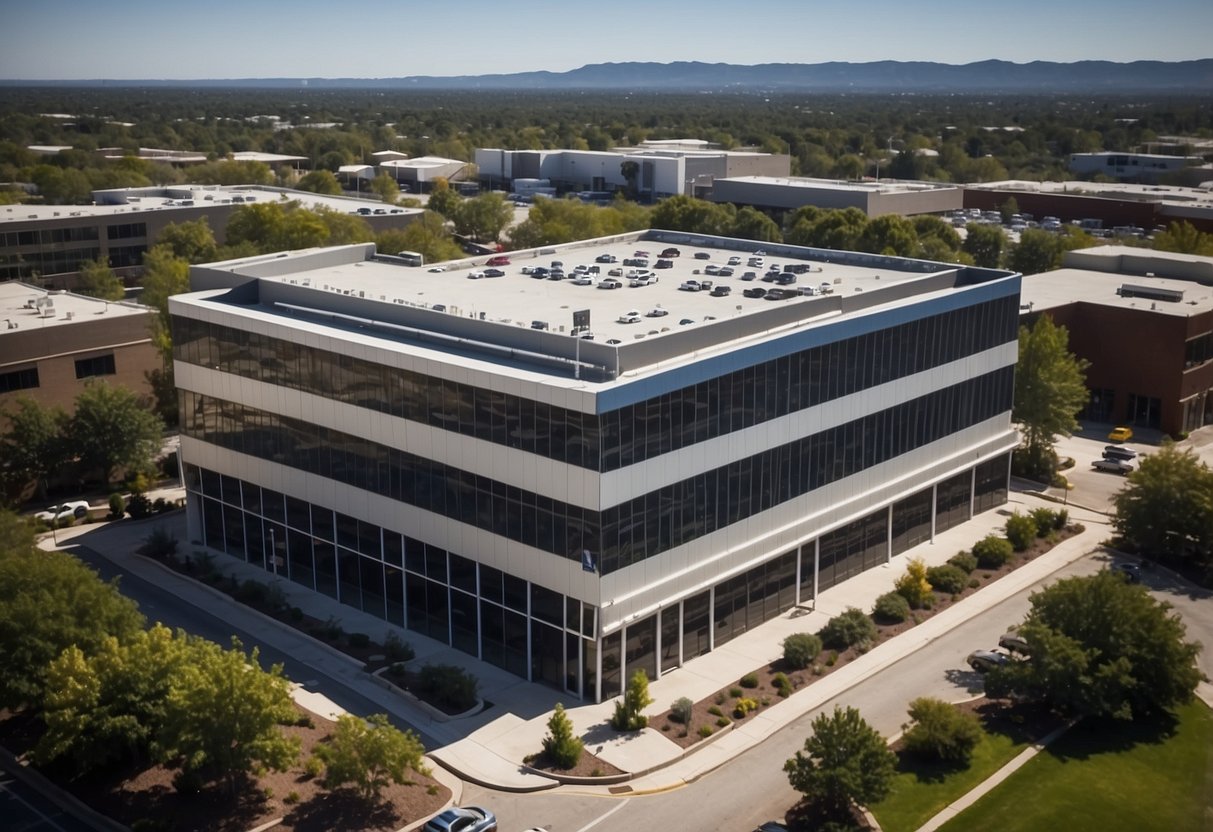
[
  {"x": 753, "y": 788},
  {"x": 160, "y": 605}
]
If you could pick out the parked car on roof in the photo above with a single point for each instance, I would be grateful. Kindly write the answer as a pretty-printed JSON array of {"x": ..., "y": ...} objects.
[
  {"x": 691, "y": 286},
  {"x": 606, "y": 258},
  {"x": 498, "y": 260},
  {"x": 671, "y": 252},
  {"x": 656, "y": 312},
  {"x": 494, "y": 273},
  {"x": 702, "y": 255},
  {"x": 609, "y": 283},
  {"x": 632, "y": 317},
  {"x": 755, "y": 292}
]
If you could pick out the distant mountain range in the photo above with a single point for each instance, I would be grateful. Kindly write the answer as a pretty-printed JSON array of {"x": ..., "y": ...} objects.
[{"x": 835, "y": 77}]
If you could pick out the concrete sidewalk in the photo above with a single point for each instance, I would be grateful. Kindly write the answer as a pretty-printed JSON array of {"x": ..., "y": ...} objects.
[{"x": 488, "y": 748}]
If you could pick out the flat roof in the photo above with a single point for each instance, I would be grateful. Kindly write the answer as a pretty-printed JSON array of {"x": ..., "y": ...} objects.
[
  {"x": 884, "y": 186},
  {"x": 1142, "y": 269},
  {"x": 138, "y": 200},
  {"x": 27, "y": 306},
  {"x": 268, "y": 158},
  {"x": 352, "y": 289},
  {"x": 1105, "y": 190}
]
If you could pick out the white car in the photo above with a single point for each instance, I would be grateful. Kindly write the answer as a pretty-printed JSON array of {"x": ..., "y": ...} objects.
[
  {"x": 646, "y": 279},
  {"x": 583, "y": 280},
  {"x": 436, "y": 269},
  {"x": 632, "y": 317},
  {"x": 691, "y": 286},
  {"x": 610, "y": 283},
  {"x": 656, "y": 312},
  {"x": 734, "y": 261},
  {"x": 475, "y": 275},
  {"x": 74, "y": 509}
]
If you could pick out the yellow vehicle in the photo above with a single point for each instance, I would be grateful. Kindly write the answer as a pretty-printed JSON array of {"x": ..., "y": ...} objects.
[{"x": 1120, "y": 433}]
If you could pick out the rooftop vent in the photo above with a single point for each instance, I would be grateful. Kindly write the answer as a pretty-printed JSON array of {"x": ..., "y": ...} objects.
[{"x": 1131, "y": 290}]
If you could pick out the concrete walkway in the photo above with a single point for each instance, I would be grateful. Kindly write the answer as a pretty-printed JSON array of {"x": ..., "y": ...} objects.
[
  {"x": 991, "y": 782},
  {"x": 488, "y": 748}
]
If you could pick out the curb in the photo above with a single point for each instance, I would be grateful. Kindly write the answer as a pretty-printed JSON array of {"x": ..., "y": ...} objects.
[{"x": 62, "y": 798}]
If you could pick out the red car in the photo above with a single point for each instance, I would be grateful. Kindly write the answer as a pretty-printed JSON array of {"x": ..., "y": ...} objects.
[{"x": 499, "y": 260}]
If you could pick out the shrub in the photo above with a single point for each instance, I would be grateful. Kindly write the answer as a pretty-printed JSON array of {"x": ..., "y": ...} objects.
[
  {"x": 138, "y": 506},
  {"x": 963, "y": 560},
  {"x": 117, "y": 506},
  {"x": 314, "y": 766},
  {"x": 332, "y": 629},
  {"x": 891, "y": 608},
  {"x": 832, "y": 659},
  {"x": 397, "y": 649},
  {"x": 715, "y": 711},
  {"x": 852, "y": 627},
  {"x": 750, "y": 680},
  {"x": 948, "y": 578},
  {"x": 358, "y": 640},
  {"x": 974, "y": 583},
  {"x": 723, "y": 721},
  {"x": 253, "y": 593},
  {"x": 782, "y": 684},
  {"x": 681, "y": 710},
  {"x": 636, "y": 698},
  {"x": 939, "y": 731},
  {"x": 736, "y": 692},
  {"x": 1021, "y": 531},
  {"x": 799, "y": 650},
  {"x": 159, "y": 543},
  {"x": 913, "y": 585},
  {"x": 1061, "y": 518},
  {"x": 451, "y": 688},
  {"x": 296, "y": 614},
  {"x": 743, "y": 707},
  {"x": 705, "y": 731},
  {"x": 292, "y": 797},
  {"x": 562, "y": 745},
  {"x": 992, "y": 551},
  {"x": 720, "y": 698},
  {"x": 1045, "y": 520},
  {"x": 160, "y": 505}
]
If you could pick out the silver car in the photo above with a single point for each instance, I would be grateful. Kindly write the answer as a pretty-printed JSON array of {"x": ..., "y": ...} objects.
[{"x": 466, "y": 819}]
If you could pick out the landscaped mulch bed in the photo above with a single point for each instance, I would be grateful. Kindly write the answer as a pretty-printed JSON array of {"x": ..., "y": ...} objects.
[
  {"x": 717, "y": 710},
  {"x": 587, "y": 766},
  {"x": 146, "y": 795}
]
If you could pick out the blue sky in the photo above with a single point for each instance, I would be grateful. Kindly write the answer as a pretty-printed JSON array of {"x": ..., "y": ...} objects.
[{"x": 138, "y": 39}]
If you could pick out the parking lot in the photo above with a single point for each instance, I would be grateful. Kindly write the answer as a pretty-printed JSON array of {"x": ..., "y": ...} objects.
[{"x": 1093, "y": 488}]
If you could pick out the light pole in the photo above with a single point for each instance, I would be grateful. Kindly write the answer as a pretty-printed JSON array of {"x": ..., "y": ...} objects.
[
  {"x": 55, "y": 524},
  {"x": 273, "y": 552}
]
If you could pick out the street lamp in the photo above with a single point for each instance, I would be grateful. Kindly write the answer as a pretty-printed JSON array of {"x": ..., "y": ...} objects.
[{"x": 55, "y": 524}]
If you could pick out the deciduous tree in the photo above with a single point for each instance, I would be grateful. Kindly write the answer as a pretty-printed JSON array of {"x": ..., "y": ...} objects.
[
  {"x": 1101, "y": 646},
  {"x": 49, "y": 601},
  {"x": 222, "y": 716},
  {"x": 33, "y": 446},
  {"x": 98, "y": 280},
  {"x": 1166, "y": 508},
  {"x": 483, "y": 217},
  {"x": 319, "y": 182},
  {"x": 985, "y": 244},
  {"x": 112, "y": 429},
  {"x": 1050, "y": 390},
  {"x": 371, "y": 754}
]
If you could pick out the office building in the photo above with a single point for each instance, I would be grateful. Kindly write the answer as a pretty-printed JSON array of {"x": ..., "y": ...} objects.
[
  {"x": 573, "y": 481},
  {"x": 874, "y": 198}
]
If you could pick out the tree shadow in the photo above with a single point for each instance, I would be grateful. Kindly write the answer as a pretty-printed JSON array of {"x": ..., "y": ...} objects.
[
  {"x": 926, "y": 770},
  {"x": 970, "y": 680},
  {"x": 342, "y": 809},
  {"x": 1092, "y": 737}
]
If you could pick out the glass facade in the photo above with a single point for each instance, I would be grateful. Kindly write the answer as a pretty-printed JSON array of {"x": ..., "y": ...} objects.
[
  {"x": 622, "y": 437},
  {"x": 624, "y": 534},
  {"x": 526, "y": 628}
]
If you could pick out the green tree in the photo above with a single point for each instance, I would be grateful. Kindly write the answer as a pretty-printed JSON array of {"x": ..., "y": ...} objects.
[
  {"x": 562, "y": 745},
  {"x": 845, "y": 761},
  {"x": 222, "y": 716},
  {"x": 49, "y": 601},
  {"x": 1104, "y": 647},
  {"x": 385, "y": 188},
  {"x": 443, "y": 199},
  {"x": 752, "y": 224},
  {"x": 850, "y": 166},
  {"x": 1166, "y": 508},
  {"x": 940, "y": 731},
  {"x": 193, "y": 241},
  {"x": 1037, "y": 251},
  {"x": 112, "y": 429},
  {"x": 33, "y": 446},
  {"x": 230, "y": 172},
  {"x": 483, "y": 217},
  {"x": 685, "y": 213},
  {"x": 371, "y": 754},
  {"x": 164, "y": 275},
  {"x": 889, "y": 234},
  {"x": 984, "y": 243},
  {"x": 319, "y": 182},
  {"x": 98, "y": 280},
  {"x": 428, "y": 236},
  {"x": 1050, "y": 390},
  {"x": 107, "y": 707},
  {"x": 1183, "y": 237},
  {"x": 636, "y": 698},
  {"x": 629, "y": 169}
]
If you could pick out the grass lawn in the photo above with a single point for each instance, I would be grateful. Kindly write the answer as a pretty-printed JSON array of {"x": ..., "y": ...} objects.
[
  {"x": 920, "y": 793},
  {"x": 1149, "y": 775}
]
